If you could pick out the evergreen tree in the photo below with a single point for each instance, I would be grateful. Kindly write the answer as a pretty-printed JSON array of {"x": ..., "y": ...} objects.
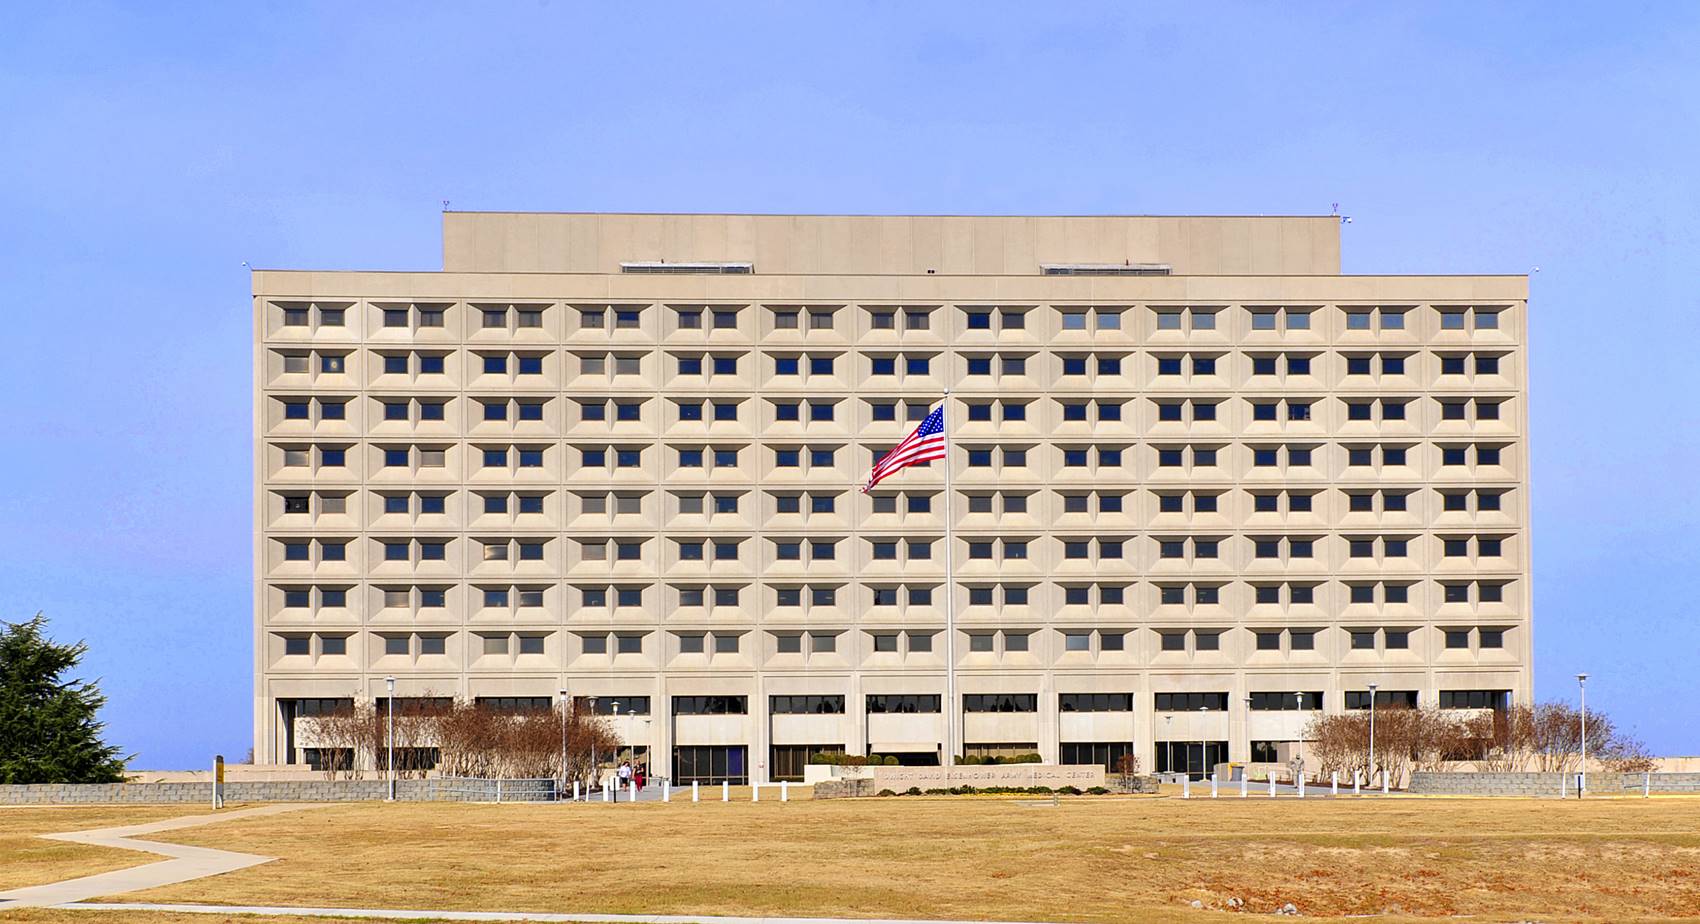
[{"x": 48, "y": 729}]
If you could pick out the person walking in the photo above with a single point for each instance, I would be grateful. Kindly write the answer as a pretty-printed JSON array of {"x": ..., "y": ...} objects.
[
  {"x": 639, "y": 776},
  {"x": 624, "y": 774}
]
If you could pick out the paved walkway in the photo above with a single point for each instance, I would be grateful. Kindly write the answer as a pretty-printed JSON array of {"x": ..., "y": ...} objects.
[
  {"x": 186, "y": 863},
  {"x": 498, "y": 915}
]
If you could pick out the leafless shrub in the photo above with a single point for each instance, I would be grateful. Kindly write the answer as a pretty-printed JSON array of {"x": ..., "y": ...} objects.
[
  {"x": 478, "y": 741},
  {"x": 470, "y": 740},
  {"x": 1544, "y": 737}
]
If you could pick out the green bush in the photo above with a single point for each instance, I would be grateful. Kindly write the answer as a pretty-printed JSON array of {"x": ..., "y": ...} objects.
[
  {"x": 1069, "y": 790},
  {"x": 887, "y": 792},
  {"x": 891, "y": 760},
  {"x": 1098, "y": 791},
  {"x": 1040, "y": 790},
  {"x": 912, "y": 791}
]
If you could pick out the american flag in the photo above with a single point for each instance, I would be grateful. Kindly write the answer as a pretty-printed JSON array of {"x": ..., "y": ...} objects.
[{"x": 924, "y": 445}]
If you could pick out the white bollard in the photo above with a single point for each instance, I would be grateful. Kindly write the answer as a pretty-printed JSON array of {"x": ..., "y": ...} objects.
[
  {"x": 666, "y": 791},
  {"x": 1563, "y": 790},
  {"x": 575, "y": 790},
  {"x": 606, "y": 792},
  {"x": 1384, "y": 782},
  {"x": 1299, "y": 778},
  {"x": 1647, "y": 786},
  {"x": 1271, "y": 784},
  {"x": 1355, "y": 790},
  {"x": 1244, "y": 777},
  {"x": 1186, "y": 786},
  {"x": 633, "y": 790},
  {"x": 1213, "y": 784},
  {"x": 1334, "y": 782},
  {"x": 755, "y": 791},
  {"x": 784, "y": 791},
  {"x": 696, "y": 795},
  {"x": 726, "y": 790}
]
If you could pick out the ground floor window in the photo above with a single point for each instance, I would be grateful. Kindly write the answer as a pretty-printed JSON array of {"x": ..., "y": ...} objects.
[
  {"x": 1003, "y": 751},
  {"x": 1106, "y": 754},
  {"x": 1193, "y": 758},
  {"x": 906, "y": 758},
  {"x": 710, "y": 764},
  {"x": 788, "y": 759},
  {"x": 328, "y": 758}
]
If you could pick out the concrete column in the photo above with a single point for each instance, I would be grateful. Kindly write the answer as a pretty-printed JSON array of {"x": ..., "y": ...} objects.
[{"x": 1050, "y": 722}]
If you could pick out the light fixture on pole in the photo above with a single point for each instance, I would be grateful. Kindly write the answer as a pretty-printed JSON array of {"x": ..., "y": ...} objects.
[
  {"x": 389, "y": 686},
  {"x": 1582, "y": 687},
  {"x": 1372, "y": 731}
]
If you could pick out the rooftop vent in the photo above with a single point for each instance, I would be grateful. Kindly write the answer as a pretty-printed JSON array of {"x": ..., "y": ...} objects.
[
  {"x": 1104, "y": 269},
  {"x": 710, "y": 269}
]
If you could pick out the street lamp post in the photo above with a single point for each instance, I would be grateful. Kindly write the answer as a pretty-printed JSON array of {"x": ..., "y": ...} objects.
[
  {"x": 1299, "y": 705},
  {"x": 565, "y": 705},
  {"x": 389, "y": 736},
  {"x": 1168, "y": 751},
  {"x": 1372, "y": 731},
  {"x": 595, "y": 768},
  {"x": 1582, "y": 687}
]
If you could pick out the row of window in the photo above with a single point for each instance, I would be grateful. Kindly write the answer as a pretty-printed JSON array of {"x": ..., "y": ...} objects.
[
  {"x": 1003, "y": 642},
  {"x": 1201, "y": 456},
  {"x": 895, "y": 365},
  {"x": 601, "y": 410},
  {"x": 910, "y": 595},
  {"x": 1193, "y": 548},
  {"x": 816, "y": 502},
  {"x": 883, "y": 317},
  {"x": 932, "y": 703}
]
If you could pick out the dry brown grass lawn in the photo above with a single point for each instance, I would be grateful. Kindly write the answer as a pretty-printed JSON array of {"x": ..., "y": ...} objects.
[
  {"x": 1103, "y": 859},
  {"x": 26, "y": 859}
]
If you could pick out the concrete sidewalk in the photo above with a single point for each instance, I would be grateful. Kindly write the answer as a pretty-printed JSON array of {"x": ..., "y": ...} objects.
[
  {"x": 186, "y": 863},
  {"x": 418, "y": 915}
]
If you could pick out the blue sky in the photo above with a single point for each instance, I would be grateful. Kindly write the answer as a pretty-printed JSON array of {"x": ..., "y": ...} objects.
[{"x": 147, "y": 150}]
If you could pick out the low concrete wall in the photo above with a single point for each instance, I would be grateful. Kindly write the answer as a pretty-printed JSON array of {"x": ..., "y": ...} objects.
[
  {"x": 250, "y": 791},
  {"x": 897, "y": 779},
  {"x": 1546, "y": 784}
]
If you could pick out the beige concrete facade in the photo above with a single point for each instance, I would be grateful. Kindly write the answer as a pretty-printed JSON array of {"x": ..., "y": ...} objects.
[{"x": 533, "y": 416}]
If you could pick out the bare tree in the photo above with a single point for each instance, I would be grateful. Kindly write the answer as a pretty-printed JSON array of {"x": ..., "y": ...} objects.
[{"x": 344, "y": 739}]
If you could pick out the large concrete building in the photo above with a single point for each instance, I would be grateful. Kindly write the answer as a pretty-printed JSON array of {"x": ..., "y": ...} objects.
[{"x": 1203, "y": 485}]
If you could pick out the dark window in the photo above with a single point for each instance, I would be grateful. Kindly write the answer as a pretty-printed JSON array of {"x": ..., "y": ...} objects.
[
  {"x": 1191, "y": 702},
  {"x": 902, "y": 703},
  {"x": 1000, "y": 702},
  {"x": 1359, "y": 699},
  {"x": 1475, "y": 699},
  {"x": 1095, "y": 702},
  {"x": 806, "y": 705},
  {"x": 1286, "y": 701}
]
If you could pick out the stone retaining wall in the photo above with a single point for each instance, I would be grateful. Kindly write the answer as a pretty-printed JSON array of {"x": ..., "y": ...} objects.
[
  {"x": 1546, "y": 784},
  {"x": 844, "y": 789}
]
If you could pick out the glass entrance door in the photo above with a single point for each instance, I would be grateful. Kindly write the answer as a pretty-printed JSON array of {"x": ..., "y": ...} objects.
[{"x": 1194, "y": 758}]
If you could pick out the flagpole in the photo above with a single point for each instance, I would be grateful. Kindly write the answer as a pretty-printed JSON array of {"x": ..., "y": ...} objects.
[{"x": 951, "y": 712}]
